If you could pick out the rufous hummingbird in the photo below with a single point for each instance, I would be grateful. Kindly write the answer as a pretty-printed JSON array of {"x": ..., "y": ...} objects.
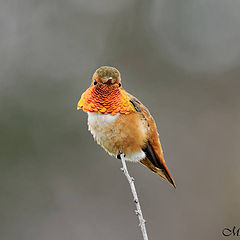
[{"x": 121, "y": 124}]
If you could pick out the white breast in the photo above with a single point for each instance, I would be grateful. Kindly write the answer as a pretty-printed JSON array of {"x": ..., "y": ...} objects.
[
  {"x": 101, "y": 119},
  {"x": 97, "y": 124}
]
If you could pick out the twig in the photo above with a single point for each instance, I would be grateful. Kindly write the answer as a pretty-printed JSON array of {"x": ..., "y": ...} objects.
[{"x": 135, "y": 198}]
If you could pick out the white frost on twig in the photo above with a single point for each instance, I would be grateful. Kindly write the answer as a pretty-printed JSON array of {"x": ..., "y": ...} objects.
[{"x": 135, "y": 198}]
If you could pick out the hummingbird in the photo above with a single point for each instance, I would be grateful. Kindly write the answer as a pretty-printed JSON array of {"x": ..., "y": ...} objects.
[{"x": 121, "y": 124}]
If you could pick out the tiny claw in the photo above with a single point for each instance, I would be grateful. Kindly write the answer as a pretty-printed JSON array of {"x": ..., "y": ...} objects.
[
  {"x": 119, "y": 156},
  {"x": 132, "y": 179}
]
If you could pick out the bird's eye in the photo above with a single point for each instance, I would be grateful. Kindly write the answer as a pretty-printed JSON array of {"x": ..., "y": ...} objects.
[
  {"x": 95, "y": 82},
  {"x": 119, "y": 84}
]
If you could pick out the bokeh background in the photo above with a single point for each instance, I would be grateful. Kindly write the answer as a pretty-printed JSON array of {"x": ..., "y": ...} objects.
[{"x": 181, "y": 58}]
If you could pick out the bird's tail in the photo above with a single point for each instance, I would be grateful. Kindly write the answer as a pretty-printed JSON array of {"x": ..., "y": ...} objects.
[
  {"x": 163, "y": 172},
  {"x": 155, "y": 161}
]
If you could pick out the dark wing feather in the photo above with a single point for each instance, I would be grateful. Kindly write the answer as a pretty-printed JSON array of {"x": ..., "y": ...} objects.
[
  {"x": 154, "y": 155},
  {"x": 150, "y": 154}
]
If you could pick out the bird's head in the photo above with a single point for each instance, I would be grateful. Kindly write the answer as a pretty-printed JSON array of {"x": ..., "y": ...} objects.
[
  {"x": 109, "y": 76},
  {"x": 105, "y": 94}
]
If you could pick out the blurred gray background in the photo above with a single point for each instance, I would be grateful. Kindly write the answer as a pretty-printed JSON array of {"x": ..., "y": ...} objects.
[{"x": 181, "y": 58}]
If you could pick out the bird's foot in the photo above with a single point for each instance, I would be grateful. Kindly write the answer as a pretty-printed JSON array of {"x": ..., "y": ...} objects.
[{"x": 119, "y": 155}]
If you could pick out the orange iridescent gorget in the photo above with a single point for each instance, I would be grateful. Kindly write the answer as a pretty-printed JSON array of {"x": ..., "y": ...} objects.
[{"x": 105, "y": 100}]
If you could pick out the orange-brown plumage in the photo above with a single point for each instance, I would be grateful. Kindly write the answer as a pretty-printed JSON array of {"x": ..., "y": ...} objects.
[
  {"x": 158, "y": 165},
  {"x": 120, "y": 123},
  {"x": 105, "y": 100}
]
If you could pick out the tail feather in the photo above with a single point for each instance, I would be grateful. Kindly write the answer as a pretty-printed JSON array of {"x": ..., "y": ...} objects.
[
  {"x": 164, "y": 173},
  {"x": 156, "y": 163}
]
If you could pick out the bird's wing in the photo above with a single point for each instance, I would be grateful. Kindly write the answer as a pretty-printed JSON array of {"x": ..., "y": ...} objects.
[{"x": 154, "y": 154}]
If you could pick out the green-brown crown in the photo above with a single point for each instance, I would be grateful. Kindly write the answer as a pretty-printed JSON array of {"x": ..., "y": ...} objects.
[{"x": 106, "y": 71}]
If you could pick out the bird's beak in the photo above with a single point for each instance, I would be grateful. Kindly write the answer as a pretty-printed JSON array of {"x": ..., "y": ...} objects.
[{"x": 107, "y": 80}]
